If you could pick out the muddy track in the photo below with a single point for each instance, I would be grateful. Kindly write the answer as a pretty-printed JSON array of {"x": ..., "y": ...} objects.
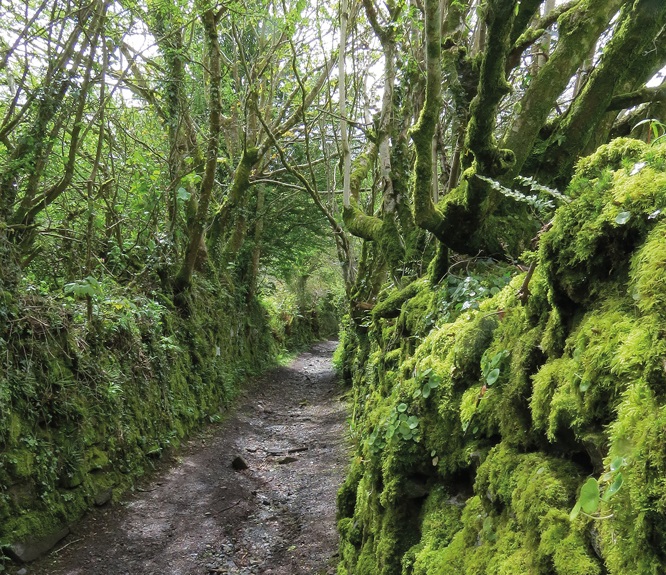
[{"x": 200, "y": 516}]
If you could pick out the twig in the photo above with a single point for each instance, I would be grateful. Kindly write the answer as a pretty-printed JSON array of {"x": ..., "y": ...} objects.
[
  {"x": 68, "y": 544},
  {"x": 230, "y": 506}
]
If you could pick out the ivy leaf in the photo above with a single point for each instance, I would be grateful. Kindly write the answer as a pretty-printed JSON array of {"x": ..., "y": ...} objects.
[
  {"x": 493, "y": 376},
  {"x": 589, "y": 496},
  {"x": 622, "y": 218}
]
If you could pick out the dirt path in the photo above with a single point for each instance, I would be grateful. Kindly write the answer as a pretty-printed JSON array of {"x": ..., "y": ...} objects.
[{"x": 201, "y": 517}]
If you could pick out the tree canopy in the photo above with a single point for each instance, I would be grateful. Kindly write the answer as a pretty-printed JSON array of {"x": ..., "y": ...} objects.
[{"x": 164, "y": 138}]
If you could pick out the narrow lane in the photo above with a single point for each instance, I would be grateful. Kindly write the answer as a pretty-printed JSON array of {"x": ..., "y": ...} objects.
[{"x": 203, "y": 517}]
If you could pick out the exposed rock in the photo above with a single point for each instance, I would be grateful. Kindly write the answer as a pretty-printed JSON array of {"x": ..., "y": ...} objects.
[
  {"x": 238, "y": 463},
  {"x": 103, "y": 497},
  {"x": 287, "y": 460},
  {"x": 32, "y": 548}
]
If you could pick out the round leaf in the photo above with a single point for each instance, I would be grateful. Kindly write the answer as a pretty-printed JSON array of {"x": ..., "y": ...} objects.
[
  {"x": 589, "y": 496},
  {"x": 434, "y": 381},
  {"x": 402, "y": 407}
]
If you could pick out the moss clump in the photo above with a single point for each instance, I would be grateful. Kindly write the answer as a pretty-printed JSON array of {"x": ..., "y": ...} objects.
[
  {"x": 391, "y": 306},
  {"x": 439, "y": 523},
  {"x": 648, "y": 274},
  {"x": 593, "y": 237}
]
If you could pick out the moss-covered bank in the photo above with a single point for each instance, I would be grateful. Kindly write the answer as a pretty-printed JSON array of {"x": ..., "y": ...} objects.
[
  {"x": 87, "y": 403},
  {"x": 478, "y": 419}
]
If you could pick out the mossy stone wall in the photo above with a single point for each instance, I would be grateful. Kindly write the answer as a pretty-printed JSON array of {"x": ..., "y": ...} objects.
[
  {"x": 86, "y": 406},
  {"x": 475, "y": 429}
]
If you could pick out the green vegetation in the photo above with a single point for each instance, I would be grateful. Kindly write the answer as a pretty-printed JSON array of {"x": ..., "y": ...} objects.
[
  {"x": 188, "y": 189},
  {"x": 87, "y": 405},
  {"x": 537, "y": 448}
]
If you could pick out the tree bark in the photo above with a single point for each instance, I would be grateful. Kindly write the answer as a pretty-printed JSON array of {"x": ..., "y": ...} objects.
[{"x": 183, "y": 280}]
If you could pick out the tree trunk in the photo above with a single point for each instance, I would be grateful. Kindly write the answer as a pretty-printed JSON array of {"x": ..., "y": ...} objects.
[{"x": 183, "y": 280}]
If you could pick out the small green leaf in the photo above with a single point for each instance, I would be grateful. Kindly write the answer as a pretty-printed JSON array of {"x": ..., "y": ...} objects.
[
  {"x": 182, "y": 194},
  {"x": 575, "y": 511},
  {"x": 434, "y": 381},
  {"x": 622, "y": 218},
  {"x": 589, "y": 496},
  {"x": 617, "y": 463},
  {"x": 426, "y": 391},
  {"x": 402, "y": 407},
  {"x": 585, "y": 384},
  {"x": 614, "y": 487},
  {"x": 493, "y": 376}
]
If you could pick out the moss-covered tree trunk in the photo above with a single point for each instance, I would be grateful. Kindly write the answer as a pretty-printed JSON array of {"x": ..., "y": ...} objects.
[{"x": 196, "y": 229}]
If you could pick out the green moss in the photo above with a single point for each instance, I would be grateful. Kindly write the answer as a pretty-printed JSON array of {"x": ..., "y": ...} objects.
[
  {"x": 581, "y": 385},
  {"x": 96, "y": 459},
  {"x": 390, "y": 307},
  {"x": 613, "y": 156},
  {"x": 414, "y": 319},
  {"x": 648, "y": 274},
  {"x": 439, "y": 524},
  {"x": 592, "y": 238},
  {"x": 90, "y": 407},
  {"x": 572, "y": 557},
  {"x": 360, "y": 224},
  {"x": 346, "y": 498}
]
